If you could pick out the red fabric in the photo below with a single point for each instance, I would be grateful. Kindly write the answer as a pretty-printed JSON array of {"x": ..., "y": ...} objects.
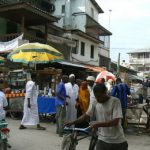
[{"x": 106, "y": 75}]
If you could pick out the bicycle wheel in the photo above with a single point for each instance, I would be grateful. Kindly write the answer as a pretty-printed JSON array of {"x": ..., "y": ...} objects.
[
  {"x": 69, "y": 142},
  {"x": 93, "y": 142},
  {"x": 73, "y": 142}
]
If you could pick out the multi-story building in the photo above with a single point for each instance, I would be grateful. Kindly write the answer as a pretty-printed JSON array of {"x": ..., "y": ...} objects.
[
  {"x": 80, "y": 20},
  {"x": 69, "y": 25},
  {"x": 140, "y": 60}
]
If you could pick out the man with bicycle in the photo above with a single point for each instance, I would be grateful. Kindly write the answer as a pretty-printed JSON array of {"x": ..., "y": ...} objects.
[{"x": 108, "y": 113}]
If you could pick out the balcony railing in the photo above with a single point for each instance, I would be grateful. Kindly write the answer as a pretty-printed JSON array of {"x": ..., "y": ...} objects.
[
  {"x": 27, "y": 36},
  {"x": 140, "y": 61},
  {"x": 8, "y": 37},
  {"x": 41, "y": 4}
]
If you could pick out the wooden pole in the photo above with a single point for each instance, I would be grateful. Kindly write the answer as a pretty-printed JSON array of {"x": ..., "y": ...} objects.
[
  {"x": 22, "y": 24},
  {"x": 46, "y": 32}
]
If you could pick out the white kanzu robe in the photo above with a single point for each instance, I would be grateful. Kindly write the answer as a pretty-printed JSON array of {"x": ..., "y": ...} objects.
[
  {"x": 30, "y": 116},
  {"x": 72, "y": 91}
]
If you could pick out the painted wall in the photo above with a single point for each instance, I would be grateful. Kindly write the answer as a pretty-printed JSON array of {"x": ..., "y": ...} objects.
[
  {"x": 78, "y": 6},
  {"x": 58, "y": 12},
  {"x": 86, "y": 58},
  {"x": 103, "y": 52},
  {"x": 79, "y": 22},
  {"x": 89, "y": 7}
]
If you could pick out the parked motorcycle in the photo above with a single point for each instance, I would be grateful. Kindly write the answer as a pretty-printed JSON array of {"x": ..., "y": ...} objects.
[{"x": 4, "y": 134}]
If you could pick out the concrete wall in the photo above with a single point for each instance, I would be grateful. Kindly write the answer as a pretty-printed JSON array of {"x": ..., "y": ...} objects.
[
  {"x": 89, "y": 7},
  {"x": 86, "y": 58},
  {"x": 58, "y": 12},
  {"x": 78, "y": 6},
  {"x": 79, "y": 22},
  {"x": 103, "y": 52}
]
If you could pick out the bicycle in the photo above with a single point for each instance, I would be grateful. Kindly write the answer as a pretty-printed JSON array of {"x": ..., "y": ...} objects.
[{"x": 73, "y": 135}]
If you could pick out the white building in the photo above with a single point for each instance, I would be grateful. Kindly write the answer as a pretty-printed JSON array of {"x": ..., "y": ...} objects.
[
  {"x": 140, "y": 60},
  {"x": 79, "y": 18},
  {"x": 71, "y": 26}
]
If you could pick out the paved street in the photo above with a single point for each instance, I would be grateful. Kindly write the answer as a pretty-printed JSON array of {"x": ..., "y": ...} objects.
[{"x": 32, "y": 139}]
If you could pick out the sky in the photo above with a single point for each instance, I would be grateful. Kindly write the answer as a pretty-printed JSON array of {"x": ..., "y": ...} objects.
[{"x": 129, "y": 22}]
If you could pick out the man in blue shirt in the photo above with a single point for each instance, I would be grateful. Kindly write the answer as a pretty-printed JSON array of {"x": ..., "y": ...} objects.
[
  {"x": 60, "y": 105},
  {"x": 121, "y": 90}
]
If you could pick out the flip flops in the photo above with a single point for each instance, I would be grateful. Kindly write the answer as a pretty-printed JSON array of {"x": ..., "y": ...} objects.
[
  {"x": 41, "y": 128},
  {"x": 22, "y": 127}
]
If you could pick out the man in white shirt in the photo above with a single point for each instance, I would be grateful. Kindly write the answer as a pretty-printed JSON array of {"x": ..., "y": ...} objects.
[
  {"x": 90, "y": 81},
  {"x": 3, "y": 104},
  {"x": 72, "y": 95},
  {"x": 108, "y": 114},
  {"x": 31, "y": 116}
]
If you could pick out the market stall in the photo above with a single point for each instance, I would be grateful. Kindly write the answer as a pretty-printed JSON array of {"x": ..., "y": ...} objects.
[
  {"x": 34, "y": 54},
  {"x": 46, "y": 84}
]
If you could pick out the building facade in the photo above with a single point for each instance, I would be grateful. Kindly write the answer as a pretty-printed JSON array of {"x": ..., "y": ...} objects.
[
  {"x": 80, "y": 20},
  {"x": 140, "y": 60},
  {"x": 69, "y": 25}
]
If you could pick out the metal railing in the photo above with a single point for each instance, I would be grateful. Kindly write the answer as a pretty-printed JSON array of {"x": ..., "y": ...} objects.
[
  {"x": 41, "y": 4},
  {"x": 8, "y": 37},
  {"x": 27, "y": 36}
]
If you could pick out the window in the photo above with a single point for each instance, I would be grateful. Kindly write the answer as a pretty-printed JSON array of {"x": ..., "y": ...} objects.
[
  {"x": 140, "y": 68},
  {"x": 63, "y": 9},
  {"x": 82, "y": 48},
  {"x": 106, "y": 40},
  {"x": 92, "y": 51},
  {"x": 147, "y": 55},
  {"x": 92, "y": 12},
  {"x": 140, "y": 55},
  {"x": 75, "y": 49}
]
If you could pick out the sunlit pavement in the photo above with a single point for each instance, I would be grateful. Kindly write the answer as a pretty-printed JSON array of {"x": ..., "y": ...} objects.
[{"x": 33, "y": 139}]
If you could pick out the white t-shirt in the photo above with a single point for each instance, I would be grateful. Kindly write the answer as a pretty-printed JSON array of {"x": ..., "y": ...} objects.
[
  {"x": 104, "y": 112},
  {"x": 3, "y": 103}
]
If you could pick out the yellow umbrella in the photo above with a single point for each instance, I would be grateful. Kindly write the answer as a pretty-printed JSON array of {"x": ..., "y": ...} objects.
[{"x": 35, "y": 53}]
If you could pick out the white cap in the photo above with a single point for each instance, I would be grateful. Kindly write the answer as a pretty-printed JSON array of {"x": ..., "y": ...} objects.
[
  {"x": 90, "y": 78},
  {"x": 71, "y": 75}
]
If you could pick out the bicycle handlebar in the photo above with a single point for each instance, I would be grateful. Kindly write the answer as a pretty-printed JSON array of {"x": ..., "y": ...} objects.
[{"x": 83, "y": 130}]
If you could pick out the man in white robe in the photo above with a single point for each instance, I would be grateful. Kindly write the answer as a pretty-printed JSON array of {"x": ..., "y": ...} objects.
[
  {"x": 31, "y": 116},
  {"x": 72, "y": 95}
]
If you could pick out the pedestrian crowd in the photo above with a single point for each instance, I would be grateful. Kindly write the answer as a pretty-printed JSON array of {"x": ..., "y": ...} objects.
[{"x": 79, "y": 102}]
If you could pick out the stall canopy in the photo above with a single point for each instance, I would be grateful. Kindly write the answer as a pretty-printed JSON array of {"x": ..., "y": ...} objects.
[
  {"x": 88, "y": 67},
  {"x": 72, "y": 64},
  {"x": 134, "y": 77}
]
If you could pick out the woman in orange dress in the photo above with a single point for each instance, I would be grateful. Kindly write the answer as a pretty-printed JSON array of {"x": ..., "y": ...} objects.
[
  {"x": 84, "y": 97},
  {"x": 83, "y": 101}
]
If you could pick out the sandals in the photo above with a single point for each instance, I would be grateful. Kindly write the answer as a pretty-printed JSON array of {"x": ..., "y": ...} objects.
[
  {"x": 22, "y": 127},
  {"x": 41, "y": 128}
]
